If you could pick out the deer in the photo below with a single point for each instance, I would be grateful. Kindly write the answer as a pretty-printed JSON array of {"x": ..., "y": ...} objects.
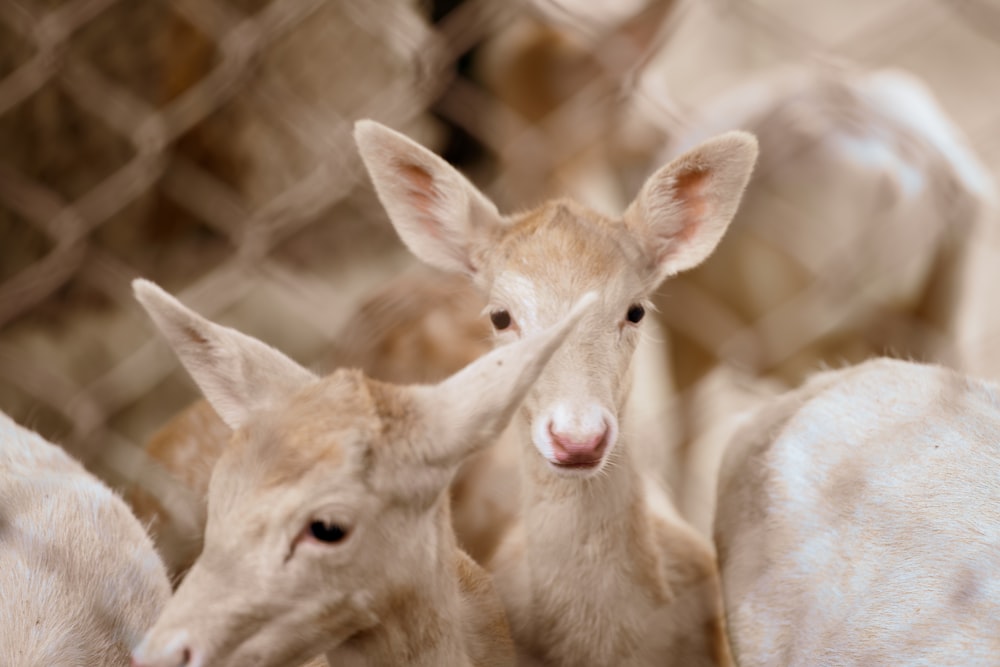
[
  {"x": 852, "y": 240},
  {"x": 328, "y": 525},
  {"x": 858, "y": 521},
  {"x": 598, "y": 568},
  {"x": 420, "y": 326},
  {"x": 81, "y": 580}
]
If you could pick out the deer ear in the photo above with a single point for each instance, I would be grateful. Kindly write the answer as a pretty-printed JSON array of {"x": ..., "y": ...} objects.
[
  {"x": 440, "y": 216},
  {"x": 469, "y": 410},
  {"x": 237, "y": 374},
  {"x": 682, "y": 210}
]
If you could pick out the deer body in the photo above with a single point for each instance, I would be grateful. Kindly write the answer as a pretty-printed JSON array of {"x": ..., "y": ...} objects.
[
  {"x": 851, "y": 239},
  {"x": 328, "y": 520},
  {"x": 599, "y": 570},
  {"x": 80, "y": 579},
  {"x": 858, "y": 522}
]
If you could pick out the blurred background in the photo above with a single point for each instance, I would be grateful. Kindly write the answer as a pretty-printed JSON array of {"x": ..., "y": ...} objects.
[{"x": 206, "y": 145}]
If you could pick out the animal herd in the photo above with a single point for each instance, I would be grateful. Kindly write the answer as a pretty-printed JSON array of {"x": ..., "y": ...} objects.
[{"x": 533, "y": 504}]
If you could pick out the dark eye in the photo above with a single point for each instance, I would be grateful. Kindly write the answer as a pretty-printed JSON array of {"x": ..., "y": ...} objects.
[
  {"x": 500, "y": 319},
  {"x": 635, "y": 313},
  {"x": 324, "y": 532}
]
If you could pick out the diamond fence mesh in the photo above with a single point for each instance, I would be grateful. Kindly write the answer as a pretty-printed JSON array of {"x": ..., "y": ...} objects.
[{"x": 206, "y": 144}]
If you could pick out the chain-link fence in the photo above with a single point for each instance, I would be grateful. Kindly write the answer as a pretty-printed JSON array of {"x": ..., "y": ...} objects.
[{"x": 206, "y": 144}]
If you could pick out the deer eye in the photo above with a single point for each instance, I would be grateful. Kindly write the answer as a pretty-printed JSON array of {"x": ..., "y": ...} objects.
[
  {"x": 330, "y": 533},
  {"x": 635, "y": 313},
  {"x": 500, "y": 319}
]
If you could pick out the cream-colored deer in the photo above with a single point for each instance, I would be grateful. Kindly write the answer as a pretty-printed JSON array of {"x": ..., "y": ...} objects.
[
  {"x": 421, "y": 326},
  {"x": 600, "y": 570},
  {"x": 328, "y": 524},
  {"x": 859, "y": 522},
  {"x": 851, "y": 239},
  {"x": 79, "y": 578}
]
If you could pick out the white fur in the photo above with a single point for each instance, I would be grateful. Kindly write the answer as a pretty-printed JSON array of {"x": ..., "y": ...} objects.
[
  {"x": 858, "y": 522},
  {"x": 79, "y": 578}
]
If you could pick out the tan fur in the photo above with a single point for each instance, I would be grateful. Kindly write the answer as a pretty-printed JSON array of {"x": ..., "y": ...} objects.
[
  {"x": 599, "y": 569},
  {"x": 372, "y": 459},
  {"x": 857, "y": 522},
  {"x": 420, "y": 327},
  {"x": 80, "y": 579}
]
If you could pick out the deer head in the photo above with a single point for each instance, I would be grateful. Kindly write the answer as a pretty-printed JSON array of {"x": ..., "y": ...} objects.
[{"x": 533, "y": 266}]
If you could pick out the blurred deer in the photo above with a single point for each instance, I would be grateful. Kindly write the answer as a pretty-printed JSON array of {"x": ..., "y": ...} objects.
[
  {"x": 565, "y": 121},
  {"x": 858, "y": 522},
  {"x": 80, "y": 579},
  {"x": 978, "y": 325},
  {"x": 600, "y": 569},
  {"x": 851, "y": 240},
  {"x": 328, "y": 523}
]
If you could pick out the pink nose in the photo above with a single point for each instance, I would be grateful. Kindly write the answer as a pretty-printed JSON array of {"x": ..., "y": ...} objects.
[{"x": 579, "y": 449}]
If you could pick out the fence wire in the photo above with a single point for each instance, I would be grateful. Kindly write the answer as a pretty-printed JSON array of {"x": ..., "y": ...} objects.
[{"x": 206, "y": 144}]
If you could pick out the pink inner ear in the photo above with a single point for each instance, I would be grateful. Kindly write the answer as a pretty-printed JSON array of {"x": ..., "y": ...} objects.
[
  {"x": 421, "y": 194},
  {"x": 692, "y": 207},
  {"x": 690, "y": 188}
]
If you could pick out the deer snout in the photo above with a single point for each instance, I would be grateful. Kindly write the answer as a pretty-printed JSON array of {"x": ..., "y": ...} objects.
[
  {"x": 577, "y": 439},
  {"x": 578, "y": 449}
]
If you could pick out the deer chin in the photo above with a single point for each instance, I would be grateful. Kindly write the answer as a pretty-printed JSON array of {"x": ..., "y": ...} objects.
[{"x": 580, "y": 470}]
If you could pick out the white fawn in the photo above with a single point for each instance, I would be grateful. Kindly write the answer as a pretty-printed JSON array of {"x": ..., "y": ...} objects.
[
  {"x": 328, "y": 523},
  {"x": 859, "y": 522},
  {"x": 80, "y": 580},
  {"x": 600, "y": 570}
]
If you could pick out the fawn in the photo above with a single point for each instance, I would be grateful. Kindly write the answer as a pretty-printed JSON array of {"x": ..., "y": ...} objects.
[{"x": 600, "y": 570}]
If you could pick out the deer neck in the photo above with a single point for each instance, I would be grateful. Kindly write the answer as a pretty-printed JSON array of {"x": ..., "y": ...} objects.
[
  {"x": 561, "y": 510},
  {"x": 588, "y": 547}
]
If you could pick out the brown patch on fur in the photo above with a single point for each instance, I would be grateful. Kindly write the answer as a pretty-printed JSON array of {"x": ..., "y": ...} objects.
[
  {"x": 847, "y": 488},
  {"x": 397, "y": 412},
  {"x": 312, "y": 425},
  {"x": 718, "y": 641}
]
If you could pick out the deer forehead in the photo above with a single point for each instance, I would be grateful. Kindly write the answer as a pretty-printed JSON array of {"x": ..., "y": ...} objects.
[
  {"x": 328, "y": 425},
  {"x": 557, "y": 252}
]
